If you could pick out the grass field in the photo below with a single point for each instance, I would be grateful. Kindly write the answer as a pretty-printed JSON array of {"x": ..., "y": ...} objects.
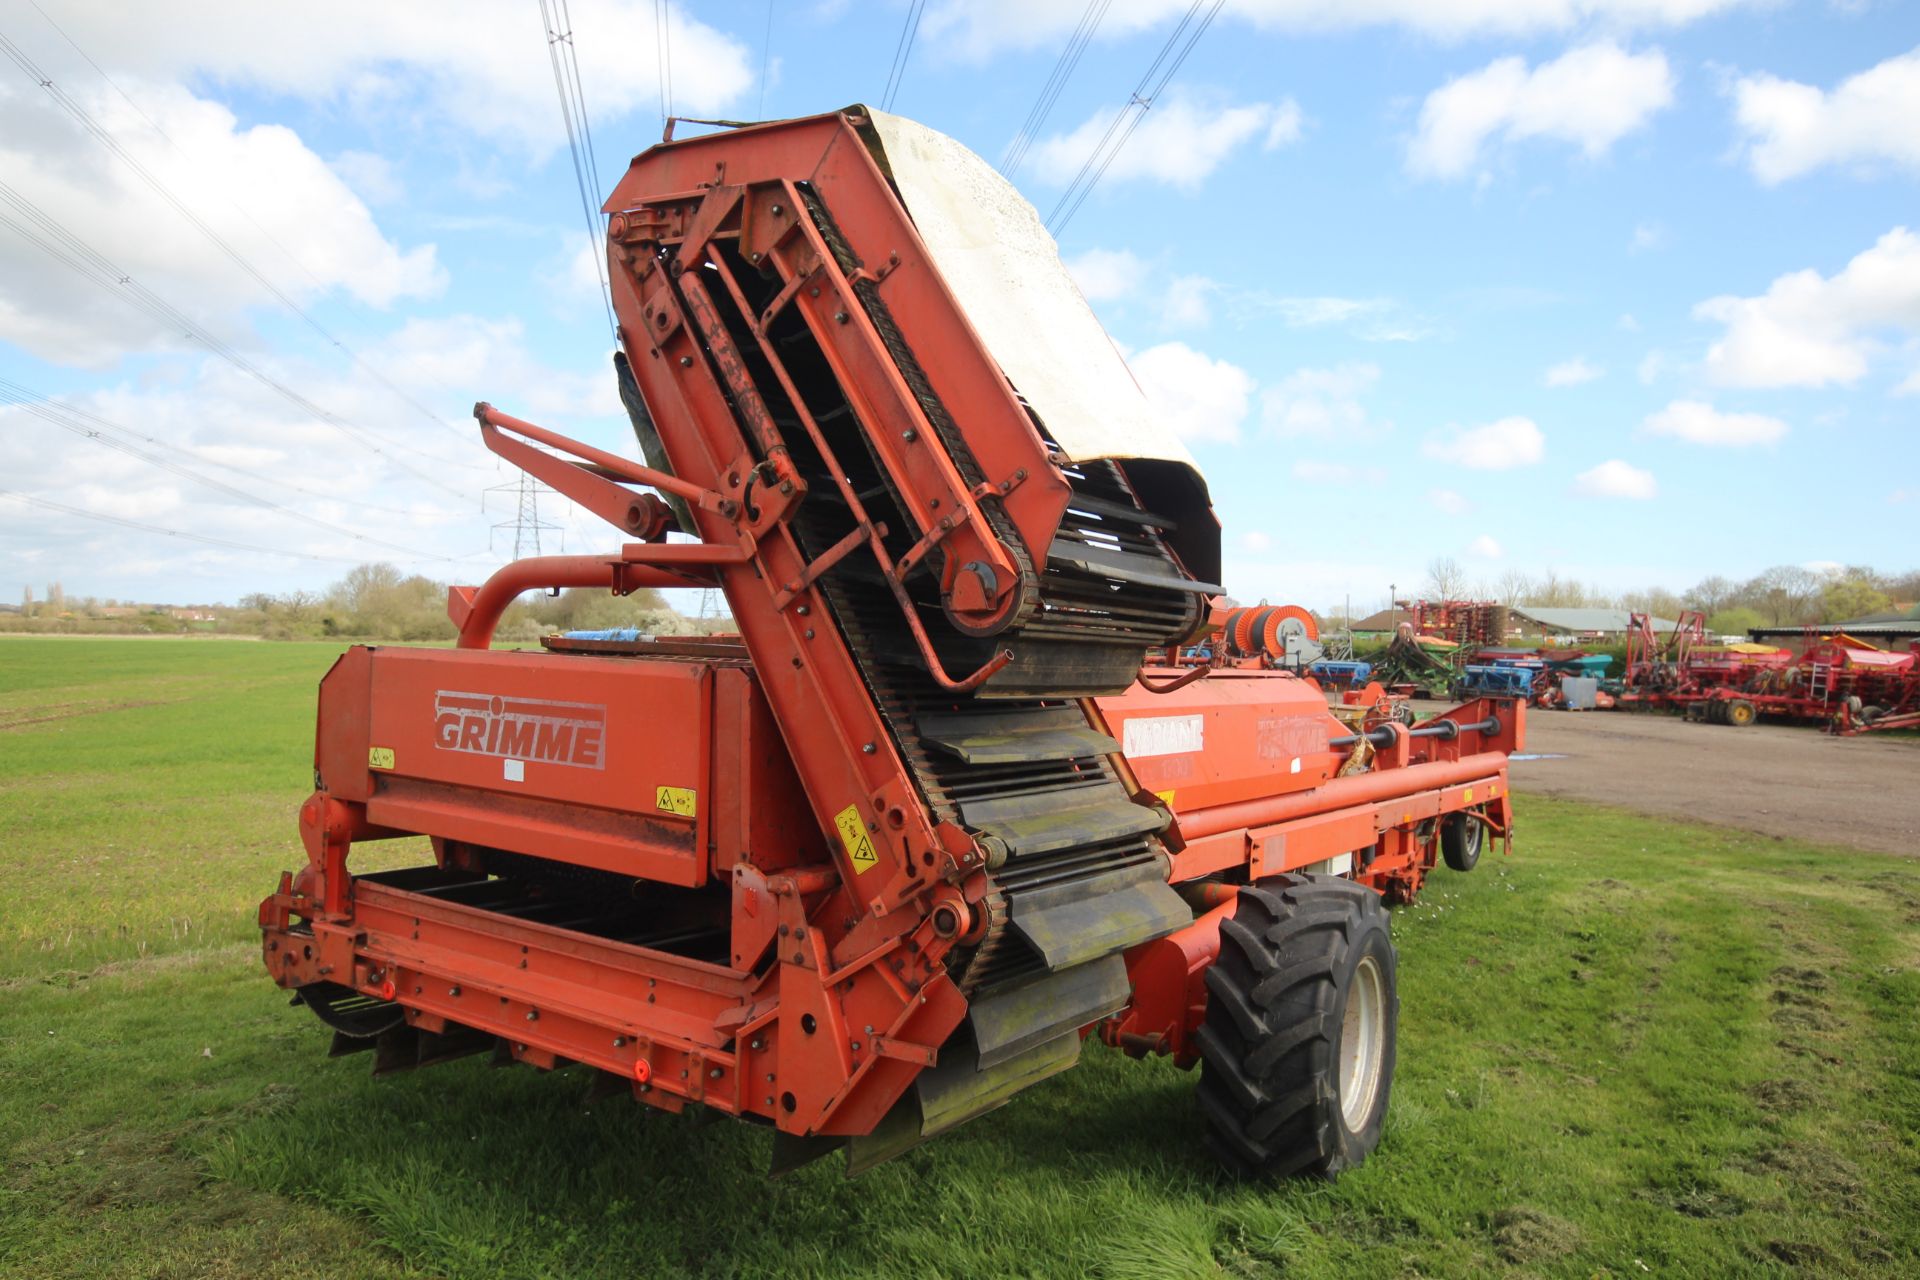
[{"x": 1633, "y": 1048}]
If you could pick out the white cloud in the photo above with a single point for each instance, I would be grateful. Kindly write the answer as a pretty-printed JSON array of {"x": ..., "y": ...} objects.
[
  {"x": 1448, "y": 502},
  {"x": 1497, "y": 446},
  {"x": 1321, "y": 402},
  {"x": 1571, "y": 373},
  {"x": 1616, "y": 479},
  {"x": 1485, "y": 547},
  {"x": 473, "y": 65},
  {"x": 1809, "y": 330},
  {"x": 1186, "y": 305},
  {"x": 1180, "y": 141},
  {"x": 1106, "y": 274},
  {"x": 372, "y": 176},
  {"x": 1627, "y": 323},
  {"x": 1698, "y": 422},
  {"x": 1202, "y": 398},
  {"x": 1647, "y": 236},
  {"x": 1255, "y": 541},
  {"x": 1792, "y": 128},
  {"x": 1368, "y": 319},
  {"x": 1651, "y": 366},
  {"x": 1591, "y": 97},
  {"x": 211, "y": 417},
  {"x": 975, "y": 29},
  {"x": 218, "y": 167}
]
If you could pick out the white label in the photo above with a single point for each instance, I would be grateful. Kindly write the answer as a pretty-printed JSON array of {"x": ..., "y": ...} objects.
[
  {"x": 1296, "y": 765},
  {"x": 1162, "y": 736},
  {"x": 514, "y": 770}
]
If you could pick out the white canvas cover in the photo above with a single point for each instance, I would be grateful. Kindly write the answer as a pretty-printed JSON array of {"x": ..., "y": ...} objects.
[{"x": 1005, "y": 270}]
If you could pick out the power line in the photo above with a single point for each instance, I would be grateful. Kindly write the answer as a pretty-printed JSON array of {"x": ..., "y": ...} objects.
[
  {"x": 1128, "y": 119},
  {"x": 55, "y": 240},
  {"x": 1056, "y": 82},
  {"x": 573, "y": 113},
  {"x": 903, "y": 50},
  {"x": 52, "y": 411},
  {"x": 101, "y": 134},
  {"x": 76, "y": 412},
  {"x": 144, "y": 527},
  {"x": 663, "y": 55}
]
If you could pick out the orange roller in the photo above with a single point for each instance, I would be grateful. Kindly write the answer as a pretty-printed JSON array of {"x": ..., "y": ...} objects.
[{"x": 1272, "y": 626}]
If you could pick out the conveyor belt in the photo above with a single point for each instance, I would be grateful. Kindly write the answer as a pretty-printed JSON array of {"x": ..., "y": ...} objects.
[{"x": 1080, "y": 873}]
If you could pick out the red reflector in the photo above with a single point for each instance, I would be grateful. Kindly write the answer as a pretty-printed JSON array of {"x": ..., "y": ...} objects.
[
  {"x": 642, "y": 1071},
  {"x": 386, "y": 989}
]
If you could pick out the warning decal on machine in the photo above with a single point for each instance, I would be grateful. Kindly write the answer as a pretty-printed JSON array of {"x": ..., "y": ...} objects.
[
  {"x": 1162, "y": 736},
  {"x": 853, "y": 834},
  {"x": 678, "y": 800},
  {"x": 379, "y": 757}
]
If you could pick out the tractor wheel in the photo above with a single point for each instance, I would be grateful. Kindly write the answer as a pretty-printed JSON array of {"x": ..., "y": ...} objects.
[
  {"x": 1740, "y": 713},
  {"x": 1716, "y": 712},
  {"x": 1461, "y": 835},
  {"x": 1297, "y": 1048}
]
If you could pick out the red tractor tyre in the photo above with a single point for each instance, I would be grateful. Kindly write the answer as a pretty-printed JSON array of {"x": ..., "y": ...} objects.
[{"x": 1297, "y": 1047}]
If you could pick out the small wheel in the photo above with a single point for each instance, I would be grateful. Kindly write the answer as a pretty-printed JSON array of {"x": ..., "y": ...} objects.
[
  {"x": 1461, "y": 836},
  {"x": 1297, "y": 1047},
  {"x": 1716, "y": 712},
  {"x": 1740, "y": 713}
]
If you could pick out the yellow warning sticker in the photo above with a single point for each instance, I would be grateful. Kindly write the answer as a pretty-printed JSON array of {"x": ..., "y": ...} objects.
[
  {"x": 853, "y": 834},
  {"x": 379, "y": 757},
  {"x": 678, "y": 800},
  {"x": 1469, "y": 795},
  {"x": 1165, "y": 797}
]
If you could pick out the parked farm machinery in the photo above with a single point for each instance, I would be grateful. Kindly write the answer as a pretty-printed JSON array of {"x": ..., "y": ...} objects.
[
  {"x": 886, "y": 857},
  {"x": 1838, "y": 681}
]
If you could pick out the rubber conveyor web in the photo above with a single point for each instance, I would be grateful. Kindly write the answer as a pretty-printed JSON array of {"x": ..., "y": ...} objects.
[{"x": 1081, "y": 872}]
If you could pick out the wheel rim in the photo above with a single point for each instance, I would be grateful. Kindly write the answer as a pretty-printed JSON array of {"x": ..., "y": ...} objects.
[{"x": 1363, "y": 1043}]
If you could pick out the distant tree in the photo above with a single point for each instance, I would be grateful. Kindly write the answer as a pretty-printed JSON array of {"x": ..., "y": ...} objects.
[
  {"x": 1551, "y": 591},
  {"x": 1711, "y": 595},
  {"x": 1446, "y": 580},
  {"x": 1787, "y": 594},
  {"x": 1737, "y": 621},
  {"x": 1904, "y": 587},
  {"x": 1846, "y": 596},
  {"x": 1658, "y": 601},
  {"x": 1513, "y": 587}
]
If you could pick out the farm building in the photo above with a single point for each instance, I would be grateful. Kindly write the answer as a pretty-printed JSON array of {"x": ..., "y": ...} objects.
[
  {"x": 1893, "y": 629},
  {"x": 1579, "y": 624}
]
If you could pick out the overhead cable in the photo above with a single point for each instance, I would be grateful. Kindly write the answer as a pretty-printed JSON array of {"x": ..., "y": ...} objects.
[
  {"x": 1063, "y": 69},
  {"x": 53, "y": 411},
  {"x": 102, "y": 135},
  {"x": 573, "y": 113},
  {"x": 902, "y": 50},
  {"x": 52, "y": 238},
  {"x": 1172, "y": 54}
]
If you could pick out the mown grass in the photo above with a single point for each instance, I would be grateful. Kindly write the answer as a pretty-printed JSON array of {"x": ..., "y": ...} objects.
[{"x": 1633, "y": 1048}]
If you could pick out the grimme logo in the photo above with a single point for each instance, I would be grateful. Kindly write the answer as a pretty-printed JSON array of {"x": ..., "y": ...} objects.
[{"x": 521, "y": 728}]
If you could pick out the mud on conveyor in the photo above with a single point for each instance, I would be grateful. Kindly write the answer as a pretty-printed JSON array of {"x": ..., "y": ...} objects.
[{"x": 1081, "y": 874}]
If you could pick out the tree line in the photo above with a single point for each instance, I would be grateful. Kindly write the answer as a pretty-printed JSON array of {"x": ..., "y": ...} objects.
[
  {"x": 1786, "y": 595},
  {"x": 372, "y": 602}
]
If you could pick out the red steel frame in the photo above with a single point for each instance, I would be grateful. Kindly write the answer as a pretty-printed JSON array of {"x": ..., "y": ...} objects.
[{"x": 836, "y": 994}]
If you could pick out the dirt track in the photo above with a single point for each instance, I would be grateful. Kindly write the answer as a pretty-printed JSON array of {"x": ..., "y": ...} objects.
[{"x": 1778, "y": 780}]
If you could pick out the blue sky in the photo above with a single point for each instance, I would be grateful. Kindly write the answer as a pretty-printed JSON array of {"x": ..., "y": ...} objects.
[{"x": 1620, "y": 289}]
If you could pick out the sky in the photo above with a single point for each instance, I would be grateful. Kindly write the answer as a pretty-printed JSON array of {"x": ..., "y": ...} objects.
[{"x": 1624, "y": 289}]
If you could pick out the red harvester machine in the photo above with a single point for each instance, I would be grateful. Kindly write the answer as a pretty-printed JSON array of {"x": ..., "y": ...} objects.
[
  {"x": 884, "y": 858},
  {"x": 1838, "y": 681}
]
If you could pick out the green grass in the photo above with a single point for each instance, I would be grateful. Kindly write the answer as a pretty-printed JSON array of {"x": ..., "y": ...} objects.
[{"x": 1633, "y": 1048}]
